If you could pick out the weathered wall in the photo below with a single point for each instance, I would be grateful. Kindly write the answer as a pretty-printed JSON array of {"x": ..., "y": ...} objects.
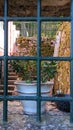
[
  {"x": 29, "y": 7},
  {"x": 62, "y": 79}
]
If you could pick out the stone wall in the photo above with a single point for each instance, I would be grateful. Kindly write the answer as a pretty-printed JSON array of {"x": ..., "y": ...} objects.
[
  {"x": 62, "y": 79},
  {"x": 29, "y": 7}
]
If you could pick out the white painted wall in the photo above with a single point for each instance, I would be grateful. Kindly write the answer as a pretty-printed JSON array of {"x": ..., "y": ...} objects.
[
  {"x": 12, "y": 35},
  {"x": 1, "y": 39},
  {"x": 57, "y": 44}
]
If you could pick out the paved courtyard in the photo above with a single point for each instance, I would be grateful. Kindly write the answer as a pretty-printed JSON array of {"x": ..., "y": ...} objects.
[{"x": 53, "y": 119}]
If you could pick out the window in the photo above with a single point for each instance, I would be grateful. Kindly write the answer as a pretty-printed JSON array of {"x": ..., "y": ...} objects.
[{"x": 35, "y": 12}]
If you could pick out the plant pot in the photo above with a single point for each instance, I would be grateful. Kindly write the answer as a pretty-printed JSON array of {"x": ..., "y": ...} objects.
[{"x": 30, "y": 89}]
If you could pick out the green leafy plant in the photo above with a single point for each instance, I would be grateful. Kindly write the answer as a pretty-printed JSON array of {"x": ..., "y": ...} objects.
[
  {"x": 48, "y": 70},
  {"x": 27, "y": 70}
]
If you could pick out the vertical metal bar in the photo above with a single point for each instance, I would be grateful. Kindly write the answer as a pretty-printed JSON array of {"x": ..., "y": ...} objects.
[
  {"x": 5, "y": 29},
  {"x": 1, "y": 70},
  {"x": 71, "y": 67},
  {"x": 39, "y": 63},
  {"x": 5, "y": 61}
]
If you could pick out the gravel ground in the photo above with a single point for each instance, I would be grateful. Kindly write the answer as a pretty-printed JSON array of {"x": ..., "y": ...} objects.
[{"x": 53, "y": 119}]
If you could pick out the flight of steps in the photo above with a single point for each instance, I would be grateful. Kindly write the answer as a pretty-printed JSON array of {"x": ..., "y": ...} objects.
[{"x": 11, "y": 79}]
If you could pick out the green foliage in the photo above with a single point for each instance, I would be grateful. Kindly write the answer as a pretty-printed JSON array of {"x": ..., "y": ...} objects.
[
  {"x": 27, "y": 70},
  {"x": 18, "y": 25},
  {"x": 48, "y": 29},
  {"x": 48, "y": 70}
]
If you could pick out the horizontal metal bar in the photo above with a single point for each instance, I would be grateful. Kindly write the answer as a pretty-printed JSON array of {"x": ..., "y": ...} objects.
[
  {"x": 55, "y": 18},
  {"x": 21, "y": 58},
  {"x": 35, "y": 98},
  {"x": 22, "y": 18},
  {"x": 1, "y": 18},
  {"x": 1, "y": 98},
  {"x": 35, "y": 18},
  {"x": 1, "y": 57},
  {"x": 56, "y": 99},
  {"x": 35, "y": 58},
  {"x": 57, "y": 58},
  {"x": 40, "y": 58},
  {"x": 41, "y": 18}
]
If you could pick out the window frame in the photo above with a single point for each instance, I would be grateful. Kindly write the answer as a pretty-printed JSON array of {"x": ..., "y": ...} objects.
[{"x": 5, "y": 98}]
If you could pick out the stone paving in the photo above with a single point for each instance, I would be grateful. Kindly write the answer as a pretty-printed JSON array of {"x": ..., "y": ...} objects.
[{"x": 53, "y": 119}]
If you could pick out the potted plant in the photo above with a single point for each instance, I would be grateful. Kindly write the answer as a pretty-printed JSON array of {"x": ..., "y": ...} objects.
[{"x": 27, "y": 83}]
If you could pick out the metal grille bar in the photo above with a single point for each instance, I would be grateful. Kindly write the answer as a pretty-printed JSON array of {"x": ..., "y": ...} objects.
[
  {"x": 36, "y": 19},
  {"x": 71, "y": 67},
  {"x": 5, "y": 61},
  {"x": 39, "y": 63},
  {"x": 41, "y": 98},
  {"x": 35, "y": 58}
]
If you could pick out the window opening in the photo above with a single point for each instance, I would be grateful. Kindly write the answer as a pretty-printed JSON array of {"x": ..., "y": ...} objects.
[{"x": 38, "y": 25}]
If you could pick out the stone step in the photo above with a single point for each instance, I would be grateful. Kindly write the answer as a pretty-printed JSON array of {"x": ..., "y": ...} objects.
[
  {"x": 10, "y": 70},
  {"x": 11, "y": 82},
  {"x": 11, "y": 73},
  {"x": 12, "y": 77},
  {"x": 10, "y": 87},
  {"x": 9, "y": 92},
  {"x": 9, "y": 66}
]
